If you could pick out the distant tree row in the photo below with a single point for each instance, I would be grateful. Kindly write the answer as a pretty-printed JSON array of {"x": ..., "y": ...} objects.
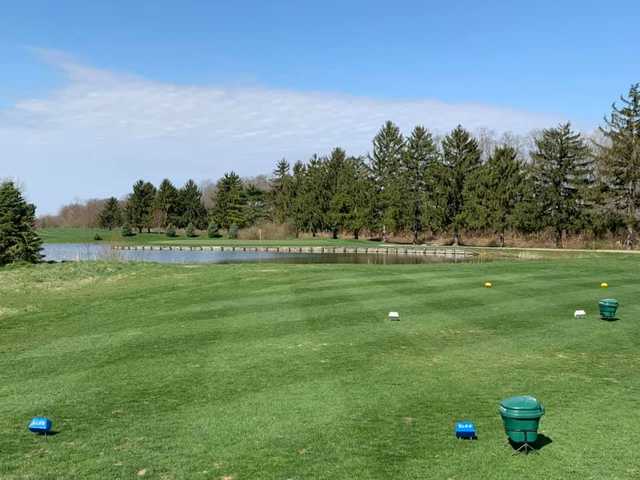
[{"x": 419, "y": 184}]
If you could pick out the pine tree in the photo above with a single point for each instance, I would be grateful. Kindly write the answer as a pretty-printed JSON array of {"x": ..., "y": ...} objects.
[
  {"x": 461, "y": 156},
  {"x": 619, "y": 160},
  {"x": 167, "y": 204},
  {"x": 314, "y": 201},
  {"x": 298, "y": 192},
  {"x": 492, "y": 192},
  {"x": 110, "y": 216},
  {"x": 229, "y": 201},
  {"x": 18, "y": 239},
  {"x": 140, "y": 205},
  {"x": 562, "y": 170},
  {"x": 192, "y": 210},
  {"x": 419, "y": 158},
  {"x": 384, "y": 165},
  {"x": 254, "y": 204},
  {"x": 350, "y": 205},
  {"x": 280, "y": 192},
  {"x": 333, "y": 176}
]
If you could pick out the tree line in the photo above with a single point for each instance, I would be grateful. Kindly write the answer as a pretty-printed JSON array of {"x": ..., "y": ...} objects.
[{"x": 418, "y": 184}]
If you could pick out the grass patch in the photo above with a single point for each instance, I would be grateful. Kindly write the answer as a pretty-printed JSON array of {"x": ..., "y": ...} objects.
[{"x": 292, "y": 371}]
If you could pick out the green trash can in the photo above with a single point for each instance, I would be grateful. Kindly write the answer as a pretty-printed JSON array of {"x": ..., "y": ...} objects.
[
  {"x": 521, "y": 416},
  {"x": 608, "y": 308}
]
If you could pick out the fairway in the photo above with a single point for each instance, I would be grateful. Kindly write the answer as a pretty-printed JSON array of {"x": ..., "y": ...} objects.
[{"x": 294, "y": 372}]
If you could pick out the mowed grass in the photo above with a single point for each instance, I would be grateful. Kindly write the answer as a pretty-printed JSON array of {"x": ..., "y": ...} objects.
[
  {"x": 293, "y": 371},
  {"x": 87, "y": 235}
]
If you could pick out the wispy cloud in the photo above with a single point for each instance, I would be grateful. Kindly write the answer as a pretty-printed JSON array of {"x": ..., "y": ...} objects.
[{"x": 103, "y": 130}]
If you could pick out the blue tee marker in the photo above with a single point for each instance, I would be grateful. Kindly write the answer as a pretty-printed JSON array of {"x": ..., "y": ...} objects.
[
  {"x": 465, "y": 430},
  {"x": 40, "y": 425}
]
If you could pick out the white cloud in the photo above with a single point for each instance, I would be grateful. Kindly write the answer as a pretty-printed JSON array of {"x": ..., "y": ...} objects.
[{"x": 103, "y": 130}]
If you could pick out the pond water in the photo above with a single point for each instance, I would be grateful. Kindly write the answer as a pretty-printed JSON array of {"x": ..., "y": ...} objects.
[{"x": 59, "y": 252}]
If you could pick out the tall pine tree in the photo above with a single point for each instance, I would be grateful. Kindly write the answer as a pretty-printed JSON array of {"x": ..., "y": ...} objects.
[
  {"x": 281, "y": 192},
  {"x": 18, "y": 239},
  {"x": 619, "y": 160},
  {"x": 110, "y": 216},
  {"x": 562, "y": 170},
  {"x": 384, "y": 165},
  {"x": 493, "y": 191},
  {"x": 461, "y": 156},
  {"x": 191, "y": 207},
  {"x": 140, "y": 205},
  {"x": 167, "y": 205},
  {"x": 229, "y": 201},
  {"x": 419, "y": 158}
]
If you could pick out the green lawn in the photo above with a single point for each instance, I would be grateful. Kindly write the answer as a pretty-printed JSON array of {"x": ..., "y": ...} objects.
[
  {"x": 293, "y": 372},
  {"x": 86, "y": 235}
]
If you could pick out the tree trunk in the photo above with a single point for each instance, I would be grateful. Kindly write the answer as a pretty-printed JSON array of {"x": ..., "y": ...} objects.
[
  {"x": 631, "y": 238},
  {"x": 356, "y": 234},
  {"x": 501, "y": 239},
  {"x": 456, "y": 239},
  {"x": 335, "y": 234},
  {"x": 558, "y": 238},
  {"x": 415, "y": 237}
]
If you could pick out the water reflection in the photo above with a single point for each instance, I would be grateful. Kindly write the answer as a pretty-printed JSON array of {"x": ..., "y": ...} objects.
[{"x": 92, "y": 252}]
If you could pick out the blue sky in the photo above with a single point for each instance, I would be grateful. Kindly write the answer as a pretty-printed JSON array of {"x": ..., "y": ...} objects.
[{"x": 94, "y": 94}]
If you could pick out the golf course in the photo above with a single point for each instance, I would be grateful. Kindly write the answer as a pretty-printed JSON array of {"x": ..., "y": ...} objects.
[{"x": 277, "y": 371}]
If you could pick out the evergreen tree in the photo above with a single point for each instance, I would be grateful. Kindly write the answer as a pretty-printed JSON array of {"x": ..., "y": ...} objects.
[
  {"x": 417, "y": 189},
  {"x": 334, "y": 175},
  {"x": 298, "y": 180},
  {"x": 167, "y": 204},
  {"x": 492, "y": 192},
  {"x": 192, "y": 210},
  {"x": 461, "y": 156},
  {"x": 313, "y": 199},
  {"x": 280, "y": 192},
  {"x": 18, "y": 239},
  {"x": 619, "y": 160},
  {"x": 110, "y": 216},
  {"x": 384, "y": 165},
  {"x": 528, "y": 213},
  {"x": 254, "y": 204},
  {"x": 229, "y": 202},
  {"x": 349, "y": 207},
  {"x": 562, "y": 170},
  {"x": 140, "y": 205}
]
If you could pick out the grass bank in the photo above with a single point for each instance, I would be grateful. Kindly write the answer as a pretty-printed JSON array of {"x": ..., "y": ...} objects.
[
  {"x": 292, "y": 371},
  {"x": 87, "y": 235}
]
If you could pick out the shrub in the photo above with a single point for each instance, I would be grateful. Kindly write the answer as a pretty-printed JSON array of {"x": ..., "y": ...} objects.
[
  {"x": 126, "y": 231},
  {"x": 213, "y": 231},
  {"x": 191, "y": 231},
  {"x": 97, "y": 237},
  {"x": 171, "y": 231},
  {"x": 233, "y": 231}
]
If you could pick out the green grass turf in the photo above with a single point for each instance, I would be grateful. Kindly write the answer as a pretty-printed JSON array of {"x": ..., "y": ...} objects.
[
  {"x": 293, "y": 371},
  {"x": 86, "y": 235}
]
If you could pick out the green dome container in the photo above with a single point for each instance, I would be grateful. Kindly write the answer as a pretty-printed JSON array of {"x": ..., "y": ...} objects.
[
  {"x": 608, "y": 308},
  {"x": 521, "y": 417}
]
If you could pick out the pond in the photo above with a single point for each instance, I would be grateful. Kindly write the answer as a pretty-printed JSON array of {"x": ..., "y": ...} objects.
[{"x": 59, "y": 252}]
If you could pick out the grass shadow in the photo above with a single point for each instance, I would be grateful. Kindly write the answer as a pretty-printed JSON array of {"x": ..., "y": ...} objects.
[{"x": 541, "y": 442}]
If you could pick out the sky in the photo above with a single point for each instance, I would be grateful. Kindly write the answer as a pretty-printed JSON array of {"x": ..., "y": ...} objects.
[{"x": 94, "y": 95}]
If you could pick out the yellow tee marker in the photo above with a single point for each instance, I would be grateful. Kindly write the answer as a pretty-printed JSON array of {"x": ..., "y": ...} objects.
[
  {"x": 488, "y": 285},
  {"x": 604, "y": 285}
]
